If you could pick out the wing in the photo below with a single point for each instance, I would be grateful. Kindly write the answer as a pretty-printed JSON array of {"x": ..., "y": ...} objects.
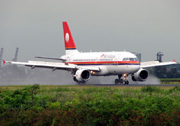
[
  {"x": 156, "y": 63},
  {"x": 53, "y": 65},
  {"x": 40, "y": 57}
]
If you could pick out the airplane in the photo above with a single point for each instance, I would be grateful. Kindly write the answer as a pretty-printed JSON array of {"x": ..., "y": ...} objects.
[{"x": 83, "y": 65}]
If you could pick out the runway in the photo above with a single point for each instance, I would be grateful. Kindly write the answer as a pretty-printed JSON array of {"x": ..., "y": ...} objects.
[{"x": 134, "y": 85}]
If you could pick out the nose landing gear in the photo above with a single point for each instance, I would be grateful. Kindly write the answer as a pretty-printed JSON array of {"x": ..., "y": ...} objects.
[{"x": 124, "y": 80}]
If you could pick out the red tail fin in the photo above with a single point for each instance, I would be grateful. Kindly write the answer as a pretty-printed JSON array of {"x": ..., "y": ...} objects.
[{"x": 68, "y": 39}]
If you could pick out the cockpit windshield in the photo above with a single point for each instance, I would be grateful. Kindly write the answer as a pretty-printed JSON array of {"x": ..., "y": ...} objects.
[{"x": 130, "y": 59}]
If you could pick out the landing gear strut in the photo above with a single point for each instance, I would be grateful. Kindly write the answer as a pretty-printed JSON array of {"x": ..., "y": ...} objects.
[{"x": 122, "y": 81}]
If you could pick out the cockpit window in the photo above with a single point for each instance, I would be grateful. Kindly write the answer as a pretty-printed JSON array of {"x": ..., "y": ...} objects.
[
  {"x": 130, "y": 59},
  {"x": 136, "y": 59},
  {"x": 125, "y": 59}
]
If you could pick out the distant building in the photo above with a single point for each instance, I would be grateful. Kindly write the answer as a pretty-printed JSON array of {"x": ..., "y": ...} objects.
[{"x": 159, "y": 56}]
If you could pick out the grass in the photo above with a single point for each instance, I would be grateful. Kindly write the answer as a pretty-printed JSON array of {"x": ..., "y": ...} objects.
[
  {"x": 170, "y": 80},
  {"x": 89, "y": 105}
]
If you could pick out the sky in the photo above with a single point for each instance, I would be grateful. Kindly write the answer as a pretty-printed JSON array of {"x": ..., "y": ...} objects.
[{"x": 142, "y": 26}]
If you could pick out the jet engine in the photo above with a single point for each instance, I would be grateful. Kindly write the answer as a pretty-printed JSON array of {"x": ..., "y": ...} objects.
[
  {"x": 141, "y": 75},
  {"x": 82, "y": 75}
]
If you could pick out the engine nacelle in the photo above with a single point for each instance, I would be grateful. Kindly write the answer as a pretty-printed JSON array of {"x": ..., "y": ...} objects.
[
  {"x": 82, "y": 75},
  {"x": 141, "y": 75}
]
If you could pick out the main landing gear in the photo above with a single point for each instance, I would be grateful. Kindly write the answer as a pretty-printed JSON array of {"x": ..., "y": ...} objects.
[{"x": 122, "y": 81}]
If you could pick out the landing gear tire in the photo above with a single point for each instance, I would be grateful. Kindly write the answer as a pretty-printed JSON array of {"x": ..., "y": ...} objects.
[
  {"x": 117, "y": 81},
  {"x": 125, "y": 82}
]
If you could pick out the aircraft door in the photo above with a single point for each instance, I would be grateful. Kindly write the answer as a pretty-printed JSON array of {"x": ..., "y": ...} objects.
[{"x": 116, "y": 59}]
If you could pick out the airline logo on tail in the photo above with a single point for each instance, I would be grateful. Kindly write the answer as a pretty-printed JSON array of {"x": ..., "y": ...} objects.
[{"x": 68, "y": 39}]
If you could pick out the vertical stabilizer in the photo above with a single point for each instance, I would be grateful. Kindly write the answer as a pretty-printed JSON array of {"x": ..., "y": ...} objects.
[
  {"x": 1, "y": 55},
  {"x": 70, "y": 46},
  {"x": 16, "y": 55}
]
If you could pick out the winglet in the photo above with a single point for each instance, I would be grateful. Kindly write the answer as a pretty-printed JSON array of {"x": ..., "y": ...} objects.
[
  {"x": 174, "y": 60},
  {"x": 4, "y": 62}
]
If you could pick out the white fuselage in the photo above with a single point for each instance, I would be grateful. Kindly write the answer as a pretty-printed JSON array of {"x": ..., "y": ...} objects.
[{"x": 110, "y": 63}]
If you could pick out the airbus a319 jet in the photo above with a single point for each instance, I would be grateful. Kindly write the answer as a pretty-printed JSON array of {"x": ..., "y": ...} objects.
[{"x": 83, "y": 65}]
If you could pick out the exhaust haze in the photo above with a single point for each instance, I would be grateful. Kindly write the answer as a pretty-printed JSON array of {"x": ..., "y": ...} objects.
[{"x": 14, "y": 75}]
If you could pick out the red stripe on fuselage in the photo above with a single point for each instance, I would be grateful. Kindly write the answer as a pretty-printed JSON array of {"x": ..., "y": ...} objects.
[{"x": 107, "y": 63}]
